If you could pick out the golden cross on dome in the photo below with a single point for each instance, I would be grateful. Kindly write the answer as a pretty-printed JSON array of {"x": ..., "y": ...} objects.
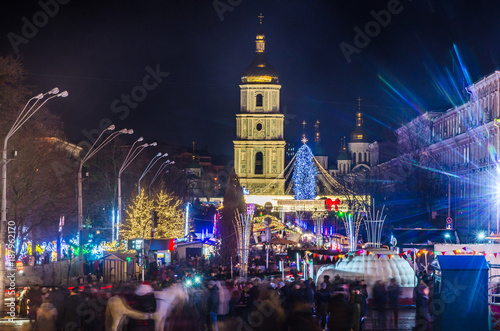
[
  {"x": 304, "y": 125},
  {"x": 193, "y": 148},
  {"x": 260, "y": 17}
]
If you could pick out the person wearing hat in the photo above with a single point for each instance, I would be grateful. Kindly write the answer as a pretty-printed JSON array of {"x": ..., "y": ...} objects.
[
  {"x": 71, "y": 318},
  {"x": 143, "y": 300}
]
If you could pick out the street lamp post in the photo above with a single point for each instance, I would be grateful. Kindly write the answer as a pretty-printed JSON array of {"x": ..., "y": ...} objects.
[
  {"x": 26, "y": 113},
  {"x": 150, "y": 165},
  {"x": 132, "y": 154},
  {"x": 160, "y": 170},
  {"x": 91, "y": 152}
]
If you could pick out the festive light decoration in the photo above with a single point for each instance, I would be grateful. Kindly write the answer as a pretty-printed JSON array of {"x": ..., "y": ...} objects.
[
  {"x": 304, "y": 174},
  {"x": 138, "y": 222},
  {"x": 328, "y": 204}
]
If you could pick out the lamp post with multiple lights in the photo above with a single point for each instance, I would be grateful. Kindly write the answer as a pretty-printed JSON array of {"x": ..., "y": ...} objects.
[
  {"x": 150, "y": 165},
  {"x": 159, "y": 171},
  {"x": 91, "y": 152},
  {"x": 132, "y": 154},
  {"x": 26, "y": 113}
]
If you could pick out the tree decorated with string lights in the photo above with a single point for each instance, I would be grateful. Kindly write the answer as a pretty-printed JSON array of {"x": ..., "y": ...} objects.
[
  {"x": 170, "y": 216},
  {"x": 304, "y": 174},
  {"x": 234, "y": 204},
  {"x": 138, "y": 221}
]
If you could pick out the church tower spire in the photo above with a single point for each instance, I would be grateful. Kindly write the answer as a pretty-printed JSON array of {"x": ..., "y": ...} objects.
[
  {"x": 317, "y": 138},
  {"x": 259, "y": 147},
  {"x": 260, "y": 71},
  {"x": 304, "y": 138},
  {"x": 358, "y": 145},
  {"x": 260, "y": 39}
]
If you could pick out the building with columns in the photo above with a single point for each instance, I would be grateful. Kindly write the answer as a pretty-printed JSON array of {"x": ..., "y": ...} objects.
[
  {"x": 259, "y": 147},
  {"x": 461, "y": 147}
]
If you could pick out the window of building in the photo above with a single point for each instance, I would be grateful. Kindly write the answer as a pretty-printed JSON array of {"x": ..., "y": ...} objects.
[
  {"x": 259, "y": 163},
  {"x": 258, "y": 101}
]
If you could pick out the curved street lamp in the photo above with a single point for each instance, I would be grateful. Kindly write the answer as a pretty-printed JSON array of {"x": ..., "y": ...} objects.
[
  {"x": 160, "y": 170},
  {"x": 131, "y": 155},
  {"x": 91, "y": 152},
  {"x": 150, "y": 165},
  {"x": 26, "y": 113}
]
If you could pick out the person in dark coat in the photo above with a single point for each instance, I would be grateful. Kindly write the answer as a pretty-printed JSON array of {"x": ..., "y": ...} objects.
[
  {"x": 329, "y": 285},
  {"x": 308, "y": 293},
  {"x": 340, "y": 313},
  {"x": 58, "y": 297},
  {"x": 71, "y": 314},
  {"x": 301, "y": 318},
  {"x": 143, "y": 300},
  {"x": 212, "y": 305},
  {"x": 284, "y": 291},
  {"x": 34, "y": 298},
  {"x": 393, "y": 295},
  {"x": 379, "y": 301},
  {"x": 422, "y": 318},
  {"x": 296, "y": 295},
  {"x": 360, "y": 299},
  {"x": 322, "y": 297}
]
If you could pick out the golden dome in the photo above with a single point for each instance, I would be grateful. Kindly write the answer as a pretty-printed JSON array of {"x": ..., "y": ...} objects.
[{"x": 260, "y": 71}]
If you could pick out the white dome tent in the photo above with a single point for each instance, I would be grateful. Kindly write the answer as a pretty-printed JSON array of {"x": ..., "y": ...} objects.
[{"x": 373, "y": 263}]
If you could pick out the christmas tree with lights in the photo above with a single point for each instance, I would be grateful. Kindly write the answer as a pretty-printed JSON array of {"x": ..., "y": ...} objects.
[
  {"x": 304, "y": 174},
  {"x": 171, "y": 218},
  {"x": 138, "y": 222}
]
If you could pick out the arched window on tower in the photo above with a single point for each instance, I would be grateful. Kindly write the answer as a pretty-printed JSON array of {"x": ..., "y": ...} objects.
[
  {"x": 258, "y": 100},
  {"x": 360, "y": 157},
  {"x": 259, "y": 163}
]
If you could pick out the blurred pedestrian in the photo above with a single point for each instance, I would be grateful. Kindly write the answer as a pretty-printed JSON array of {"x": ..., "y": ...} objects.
[
  {"x": 212, "y": 305},
  {"x": 34, "y": 299},
  {"x": 46, "y": 317},
  {"x": 422, "y": 318},
  {"x": 71, "y": 316},
  {"x": 329, "y": 285},
  {"x": 379, "y": 302},
  {"x": 224, "y": 297},
  {"x": 340, "y": 309},
  {"x": 322, "y": 297},
  {"x": 393, "y": 292}
]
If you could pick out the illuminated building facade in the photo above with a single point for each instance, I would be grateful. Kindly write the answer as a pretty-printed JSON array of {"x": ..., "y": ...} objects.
[
  {"x": 259, "y": 147},
  {"x": 460, "y": 146}
]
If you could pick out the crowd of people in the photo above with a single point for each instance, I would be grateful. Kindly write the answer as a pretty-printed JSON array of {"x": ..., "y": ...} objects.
[
  {"x": 217, "y": 302},
  {"x": 271, "y": 304}
]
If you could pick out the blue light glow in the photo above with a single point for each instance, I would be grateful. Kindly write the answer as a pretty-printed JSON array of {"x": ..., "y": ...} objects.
[{"x": 304, "y": 174}]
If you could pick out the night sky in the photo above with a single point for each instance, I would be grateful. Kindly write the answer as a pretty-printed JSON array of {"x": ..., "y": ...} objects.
[{"x": 101, "y": 50}]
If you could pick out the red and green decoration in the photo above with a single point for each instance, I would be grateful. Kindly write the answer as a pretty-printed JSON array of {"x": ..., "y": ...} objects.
[{"x": 335, "y": 203}]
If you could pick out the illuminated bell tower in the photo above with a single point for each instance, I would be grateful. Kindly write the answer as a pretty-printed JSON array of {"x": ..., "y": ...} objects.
[{"x": 259, "y": 147}]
